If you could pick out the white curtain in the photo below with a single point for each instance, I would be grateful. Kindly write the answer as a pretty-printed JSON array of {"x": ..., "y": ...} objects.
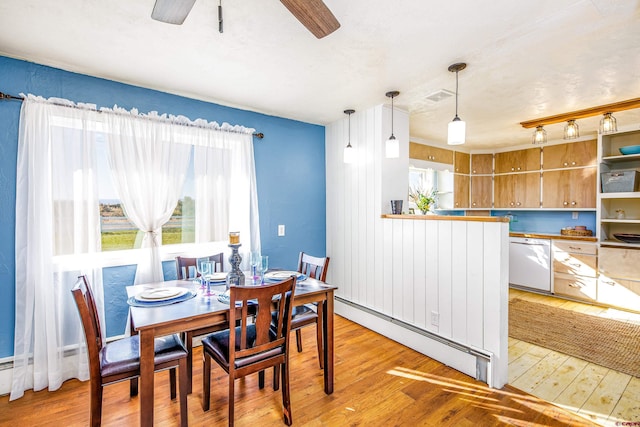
[
  {"x": 57, "y": 237},
  {"x": 148, "y": 166},
  {"x": 226, "y": 195}
]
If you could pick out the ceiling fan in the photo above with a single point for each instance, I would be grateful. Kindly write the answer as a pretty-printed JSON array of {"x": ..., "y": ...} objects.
[{"x": 313, "y": 14}]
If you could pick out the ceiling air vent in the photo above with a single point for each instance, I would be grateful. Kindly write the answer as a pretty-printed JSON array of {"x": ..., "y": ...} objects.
[{"x": 439, "y": 95}]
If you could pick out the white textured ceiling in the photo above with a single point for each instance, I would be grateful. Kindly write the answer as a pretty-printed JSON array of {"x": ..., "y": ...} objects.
[{"x": 526, "y": 58}]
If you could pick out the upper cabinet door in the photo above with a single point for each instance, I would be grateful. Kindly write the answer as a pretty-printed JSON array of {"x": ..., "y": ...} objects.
[
  {"x": 461, "y": 163},
  {"x": 481, "y": 164},
  {"x": 429, "y": 153},
  {"x": 575, "y": 154},
  {"x": 518, "y": 161}
]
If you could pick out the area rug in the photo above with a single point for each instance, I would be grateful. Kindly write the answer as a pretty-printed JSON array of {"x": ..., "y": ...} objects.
[{"x": 605, "y": 342}]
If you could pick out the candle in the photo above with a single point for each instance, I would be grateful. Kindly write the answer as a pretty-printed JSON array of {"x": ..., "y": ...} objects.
[{"x": 234, "y": 237}]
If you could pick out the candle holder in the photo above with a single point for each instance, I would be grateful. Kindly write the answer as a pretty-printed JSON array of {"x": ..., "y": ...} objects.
[{"x": 235, "y": 276}]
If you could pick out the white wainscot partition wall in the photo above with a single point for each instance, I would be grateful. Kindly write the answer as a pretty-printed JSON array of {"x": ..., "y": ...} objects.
[{"x": 437, "y": 284}]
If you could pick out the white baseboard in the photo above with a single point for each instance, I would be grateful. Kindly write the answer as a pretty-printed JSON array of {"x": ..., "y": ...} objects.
[{"x": 450, "y": 356}]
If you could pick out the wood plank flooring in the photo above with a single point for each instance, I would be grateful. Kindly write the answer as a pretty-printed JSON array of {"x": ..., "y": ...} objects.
[
  {"x": 378, "y": 383},
  {"x": 605, "y": 396}
]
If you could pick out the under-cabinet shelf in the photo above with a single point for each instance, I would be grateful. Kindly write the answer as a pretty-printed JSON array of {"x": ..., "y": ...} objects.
[{"x": 626, "y": 195}]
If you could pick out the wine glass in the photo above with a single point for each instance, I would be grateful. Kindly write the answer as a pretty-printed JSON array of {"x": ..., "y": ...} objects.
[
  {"x": 200, "y": 266},
  {"x": 255, "y": 261},
  {"x": 206, "y": 268},
  {"x": 263, "y": 267}
]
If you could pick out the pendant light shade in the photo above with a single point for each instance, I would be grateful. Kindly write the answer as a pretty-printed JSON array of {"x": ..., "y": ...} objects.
[
  {"x": 349, "y": 151},
  {"x": 456, "y": 134},
  {"x": 571, "y": 130},
  {"x": 392, "y": 146},
  {"x": 608, "y": 124},
  {"x": 539, "y": 136}
]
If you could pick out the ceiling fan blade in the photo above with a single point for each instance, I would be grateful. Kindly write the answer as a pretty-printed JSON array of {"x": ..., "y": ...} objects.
[
  {"x": 172, "y": 11},
  {"x": 313, "y": 14}
]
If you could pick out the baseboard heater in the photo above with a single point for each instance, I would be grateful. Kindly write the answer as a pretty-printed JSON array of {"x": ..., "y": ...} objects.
[{"x": 483, "y": 357}]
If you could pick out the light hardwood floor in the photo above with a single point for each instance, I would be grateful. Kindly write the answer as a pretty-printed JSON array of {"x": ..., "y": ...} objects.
[
  {"x": 378, "y": 383},
  {"x": 605, "y": 396}
]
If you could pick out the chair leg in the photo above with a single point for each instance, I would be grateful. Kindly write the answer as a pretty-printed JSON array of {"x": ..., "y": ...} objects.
[
  {"x": 286, "y": 397},
  {"x": 319, "y": 335},
  {"x": 206, "y": 381},
  {"x": 299, "y": 340},
  {"x": 231, "y": 399},
  {"x": 172, "y": 382},
  {"x": 188, "y": 343},
  {"x": 133, "y": 387},
  {"x": 276, "y": 377},
  {"x": 96, "y": 404},
  {"x": 184, "y": 390}
]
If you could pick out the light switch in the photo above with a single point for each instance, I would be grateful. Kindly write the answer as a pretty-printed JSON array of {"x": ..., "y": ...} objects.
[{"x": 281, "y": 230}]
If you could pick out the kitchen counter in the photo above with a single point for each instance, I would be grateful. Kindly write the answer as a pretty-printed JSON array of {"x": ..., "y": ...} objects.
[{"x": 552, "y": 236}]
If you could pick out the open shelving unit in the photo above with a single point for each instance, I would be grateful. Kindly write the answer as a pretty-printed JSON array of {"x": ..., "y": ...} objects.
[{"x": 618, "y": 212}]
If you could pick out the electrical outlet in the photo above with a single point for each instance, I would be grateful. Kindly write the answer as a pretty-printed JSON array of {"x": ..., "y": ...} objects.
[
  {"x": 435, "y": 318},
  {"x": 574, "y": 215},
  {"x": 281, "y": 230}
]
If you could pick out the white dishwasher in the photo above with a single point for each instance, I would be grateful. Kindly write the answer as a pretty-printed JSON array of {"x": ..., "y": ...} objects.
[{"x": 530, "y": 263}]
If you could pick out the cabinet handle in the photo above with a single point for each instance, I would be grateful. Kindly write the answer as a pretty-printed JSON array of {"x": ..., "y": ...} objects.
[
  {"x": 517, "y": 168},
  {"x": 574, "y": 285},
  {"x": 473, "y": 204},
  {"x": 518, "y": 204},
  {"x": 609, "y": 282},
  {"x": 512, "y": 169},
  {"x": 575, "y": 248},
  {"x": 574, "y": 264},
  {"x": 565, "y": 203},
  {"x": 565, "y": 164},
  {"x": 511, "y": 204},
  {"x": 573, "y": 203},
  {"x": 474, "y": 171},
  {"x": 573, "y": 163}
]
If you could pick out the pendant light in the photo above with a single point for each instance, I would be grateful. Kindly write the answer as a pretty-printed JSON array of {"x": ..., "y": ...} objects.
[
  {"x": 392, "y": 146},
  {"x": 571, "y": 130},
  {"x": 457, "y": 127},
  {"x": 608, "y": 124},
  {"x": 540, "y": 135},
  {"x": 349, "y": 152}
]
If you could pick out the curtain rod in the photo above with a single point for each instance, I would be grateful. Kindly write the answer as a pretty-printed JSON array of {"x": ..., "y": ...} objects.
[{"x": 4, "y": 96}]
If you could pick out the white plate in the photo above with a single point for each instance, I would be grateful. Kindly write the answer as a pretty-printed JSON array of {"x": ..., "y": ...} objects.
[
  {"x": 281, "y": 275},
  {"x": 217, "y": 277},
  {"x": 161, "y": 294}
]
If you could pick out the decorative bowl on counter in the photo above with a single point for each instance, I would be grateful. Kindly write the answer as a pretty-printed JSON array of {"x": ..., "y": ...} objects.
[
  {"x": 628, "y": 238},
  {"x": 630, "y": 149},
  {"x": 578, "y": 230}
]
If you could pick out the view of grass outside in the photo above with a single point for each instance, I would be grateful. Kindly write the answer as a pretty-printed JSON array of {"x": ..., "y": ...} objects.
[{"x": 118, "y": 233}]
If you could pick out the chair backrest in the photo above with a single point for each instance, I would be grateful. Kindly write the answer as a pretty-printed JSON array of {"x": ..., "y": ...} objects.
[
  {"x": 184, "y": 265},
  {"x": 261, "y": 302},
  {"x": 313, "y": 267},
  {"x": 90, "y": 322}
]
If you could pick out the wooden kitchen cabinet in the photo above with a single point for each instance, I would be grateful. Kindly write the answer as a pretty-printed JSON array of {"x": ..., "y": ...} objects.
[
  {"x": 519, "y": 190},
  {"x": 429, "y": 153},
  {"x": 461, "y": 162},
  {"x": 575, "y": 269},
  {"x": 481, "y": 164},
  {"x": 481, "y": 191},
  {"x": 569, "y": 188},
  {"x": 518, "y": 161},
  {"x": 619, "y": 279},
  {"x": 576, "y": 154},
  {"x": 460, "y": 191}
]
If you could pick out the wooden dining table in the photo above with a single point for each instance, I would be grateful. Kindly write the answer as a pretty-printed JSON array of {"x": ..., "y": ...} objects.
[{"x": 200, "y": 312}]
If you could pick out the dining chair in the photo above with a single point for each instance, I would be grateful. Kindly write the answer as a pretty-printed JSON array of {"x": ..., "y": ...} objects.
[
  {"x": 304, "y": 315},
  {"x": 184, "y": 267},
  {"x": 120, "y": 360},
  {"x": 254, "y": 345}
]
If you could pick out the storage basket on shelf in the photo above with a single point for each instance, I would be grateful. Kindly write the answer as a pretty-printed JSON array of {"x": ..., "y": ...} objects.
[{"x": 620, "y": 181}]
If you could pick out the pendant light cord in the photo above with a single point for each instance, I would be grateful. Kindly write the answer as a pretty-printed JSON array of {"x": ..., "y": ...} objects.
[
  {"x": 349, "y": 144},
  {"x": 392, "y": 116},
  {"x": 456, "y": 93}
]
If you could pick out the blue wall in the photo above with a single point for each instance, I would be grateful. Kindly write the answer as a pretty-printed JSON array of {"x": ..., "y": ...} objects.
[{"x": 290, "y": 171}]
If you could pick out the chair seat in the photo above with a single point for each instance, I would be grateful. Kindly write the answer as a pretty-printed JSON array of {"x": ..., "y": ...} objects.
[
  {"x": 302, "y": 315},
  {"x": 217, "y": 345},
  {"x": 123, "y": 356}
]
